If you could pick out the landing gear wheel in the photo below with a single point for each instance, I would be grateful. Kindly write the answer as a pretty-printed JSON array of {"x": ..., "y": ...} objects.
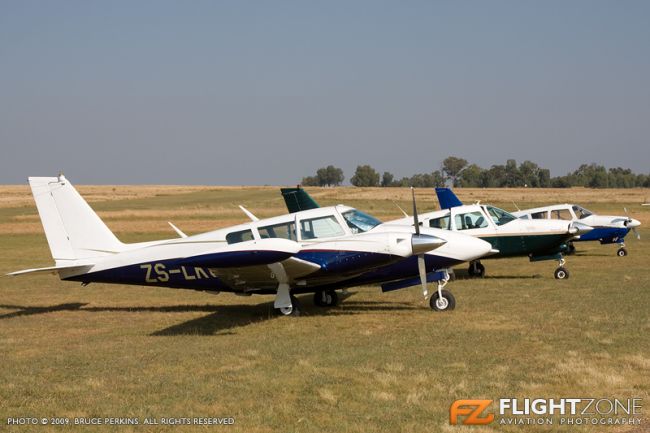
[
  {"x": 476, "y": 269},
  {"x": 446, "y": 303},
  {"x": 326, "y": 298},
  {"x": 622, "y": 252},
  {"x": 293, "y": 310},
  {"x": 561, "y": 273}
]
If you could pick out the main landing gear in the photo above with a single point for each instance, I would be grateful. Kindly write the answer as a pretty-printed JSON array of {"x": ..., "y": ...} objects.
[
  {"x": 622, "y": 252},
  {"x": 326, "y": 298},
  {"x": 476, "y": 269},
  {"x": 442, "y": 300},
  {"x": 291, "y": 310},
  {"x": 561, "y": 273}
]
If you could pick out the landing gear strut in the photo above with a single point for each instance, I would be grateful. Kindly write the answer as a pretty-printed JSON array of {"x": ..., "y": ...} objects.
[
  {"x": 561, "y": 273},
  {"x": 326, "y": 298},
  {"x": 476, "y": 269},
  {"x": 442, "y": 300},
  {"x": 622, "y": 252}
]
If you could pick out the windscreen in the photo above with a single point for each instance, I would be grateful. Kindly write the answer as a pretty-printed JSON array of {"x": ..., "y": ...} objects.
[{"x": 360, "y": 222}]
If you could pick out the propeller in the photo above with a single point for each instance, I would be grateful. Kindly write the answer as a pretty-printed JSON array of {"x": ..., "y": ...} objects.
[
  {"x": 421, "y": 263},
  {"x": 629, "y": 220}
]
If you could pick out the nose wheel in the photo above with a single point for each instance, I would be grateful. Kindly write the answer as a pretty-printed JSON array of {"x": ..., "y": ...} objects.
[
  {"x": 561, "y": 273},
  {"x": 622, "y": 252},
  {"x": 442, "y": 300}
]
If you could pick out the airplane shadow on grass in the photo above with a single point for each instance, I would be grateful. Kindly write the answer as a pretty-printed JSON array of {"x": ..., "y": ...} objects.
[{"x": 221, "y": 319}]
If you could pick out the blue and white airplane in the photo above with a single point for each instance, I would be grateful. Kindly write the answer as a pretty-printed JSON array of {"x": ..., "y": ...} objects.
[
  {"x": 606, "y": 229},
  {"x": 316, "y": 251}
]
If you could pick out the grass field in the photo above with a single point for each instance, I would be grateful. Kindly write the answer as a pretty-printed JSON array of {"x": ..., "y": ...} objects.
[{"x": 378, "y": 362}]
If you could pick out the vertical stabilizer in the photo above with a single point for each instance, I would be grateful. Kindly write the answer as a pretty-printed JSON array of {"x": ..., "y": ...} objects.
[
  {"x": 297, "y": 199},
  {"x": 73, "y": 229}
]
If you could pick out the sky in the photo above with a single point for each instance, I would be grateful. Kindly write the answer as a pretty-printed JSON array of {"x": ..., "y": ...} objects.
[{"x": 266, "y": 92}]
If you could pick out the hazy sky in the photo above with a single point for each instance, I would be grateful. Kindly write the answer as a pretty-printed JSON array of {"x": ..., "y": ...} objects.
[{"x": 245, "y": 92}]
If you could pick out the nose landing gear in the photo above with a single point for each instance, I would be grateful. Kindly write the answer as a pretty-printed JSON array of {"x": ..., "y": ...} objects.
[
  {"x": 561, "y": 273},
  {"x": 442, "y": 300}
]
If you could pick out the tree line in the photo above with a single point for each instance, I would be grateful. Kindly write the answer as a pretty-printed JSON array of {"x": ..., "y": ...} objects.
[{"x": 460, "y": 173}]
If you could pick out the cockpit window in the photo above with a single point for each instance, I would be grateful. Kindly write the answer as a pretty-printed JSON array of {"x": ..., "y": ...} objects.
[
  {"x": 440, "y": 223},
  {"x": 322, "y": 227},
  {"x": 284, "y": 230},
  {"x": 581, "y": 212},
  {"x": 360, "y": 222},
  {"x": 499, "y": 216},
  {"x": 242, "y": 236},
  {"x": 470, "y": 220}
]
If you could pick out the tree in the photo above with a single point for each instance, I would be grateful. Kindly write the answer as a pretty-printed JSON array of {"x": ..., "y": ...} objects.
[
  {"x": 470, "y": 177},
  {"x": 544, "y": 178},
  {"x": 452, "y": 166},
  {"x": 330, "y": 176},
  {"x": 387, "y": 179},
  {"x": 326, "y": 176},
  {"x": 310, "y": 181},
  {"x": 365, "y": 175},
  {"x": 529, "y": 174},
  {"x": 513, "y": 177}
]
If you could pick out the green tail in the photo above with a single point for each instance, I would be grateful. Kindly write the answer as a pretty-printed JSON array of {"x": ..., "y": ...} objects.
[{"x": 297, "y": 199}]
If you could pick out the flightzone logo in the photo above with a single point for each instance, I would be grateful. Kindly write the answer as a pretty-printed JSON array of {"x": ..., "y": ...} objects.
[{"x": 547, "y": 411}]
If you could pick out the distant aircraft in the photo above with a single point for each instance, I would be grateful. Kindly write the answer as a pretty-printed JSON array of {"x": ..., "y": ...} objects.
[
  {"x": 606, "y": 229},
  {"x": 315, "y": 251},
  {"x": 509, "y": 236}
]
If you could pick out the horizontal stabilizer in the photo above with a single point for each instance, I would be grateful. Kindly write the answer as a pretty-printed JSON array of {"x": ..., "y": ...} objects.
[
  {"x": 54, "y": 269},
  {"x": 447, "y": 198}
]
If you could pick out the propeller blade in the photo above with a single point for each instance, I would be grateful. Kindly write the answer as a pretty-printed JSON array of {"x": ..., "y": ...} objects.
[
  {"x": 638, "y": 236},
  {"x": 423, "y": 275},
  {"x": 416, "y": 221}
]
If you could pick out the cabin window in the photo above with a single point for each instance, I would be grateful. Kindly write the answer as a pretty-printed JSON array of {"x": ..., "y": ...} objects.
[
  {"x": 242, "y": 236},
  {"x": 323, "y": 227},
  {"x": 499, "y": 216},
  {"x": 360, "y": 222},
  {"x": 284, "y": 231},
  {"x": 581, "y": 212},
  {"x": 561, "y": 214},
  {"x": 538, "y": 215},
  {"x": 440, "y": 223},
  {"x": 470, "y": 220}
]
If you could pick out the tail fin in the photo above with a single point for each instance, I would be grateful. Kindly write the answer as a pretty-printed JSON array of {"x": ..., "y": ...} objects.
[
  {"x": 298, "y": 199},
  {"x": 73, "y": 229},
  {"x": 447, "y": 198}
]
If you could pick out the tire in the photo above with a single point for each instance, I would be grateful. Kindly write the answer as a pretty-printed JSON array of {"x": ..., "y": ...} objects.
[
  {"x": 476, "y": 270},
  {"x": 448, "y": 301},
  {"x": 622, "y": 252},
  {"x": 561, "y": 273},
  {"x": 326, "y": 298},
  {"x": 293, "y": 310}
]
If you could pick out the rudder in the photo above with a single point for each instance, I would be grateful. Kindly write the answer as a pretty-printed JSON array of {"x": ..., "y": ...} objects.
[{"x": 73, "y": 229}]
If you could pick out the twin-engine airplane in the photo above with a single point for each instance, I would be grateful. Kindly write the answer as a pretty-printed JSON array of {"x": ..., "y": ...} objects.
[
  {"x": 606, "y": 229},
  {"x": 315, "y": 251}
]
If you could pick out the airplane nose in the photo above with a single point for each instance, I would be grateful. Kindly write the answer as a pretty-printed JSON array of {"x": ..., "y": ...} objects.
[
  {"x": 579, "y": 228},
  {"x": 634, "y": 223},
  {"x": 420, "y": 244}
]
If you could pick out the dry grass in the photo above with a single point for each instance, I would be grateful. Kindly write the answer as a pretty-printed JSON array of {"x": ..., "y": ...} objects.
[{"x": 379, "y": 362}]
